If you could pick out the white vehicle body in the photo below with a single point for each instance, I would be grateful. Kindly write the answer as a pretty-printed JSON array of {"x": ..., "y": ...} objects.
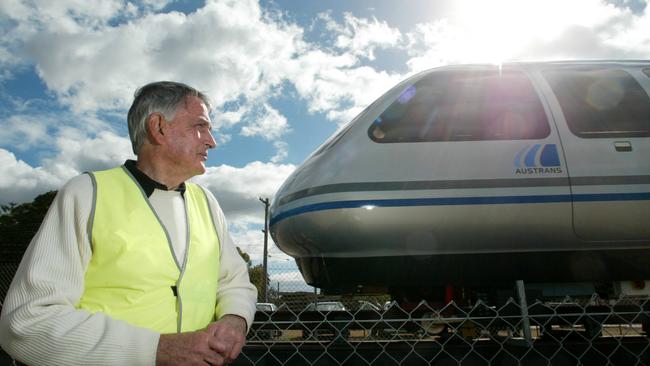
[{"x": 476, "y": 174}]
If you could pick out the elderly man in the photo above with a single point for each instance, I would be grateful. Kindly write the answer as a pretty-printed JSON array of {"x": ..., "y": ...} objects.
[{"x": 134, "y": 265}]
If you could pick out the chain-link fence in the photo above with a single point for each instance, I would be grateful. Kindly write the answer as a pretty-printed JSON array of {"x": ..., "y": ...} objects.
[
  {"x": 301, "y": 326},
  {"x": 305, "y": 327},
  {"x": 7, "y": 271},
  {"x": 569, "y": 332}
]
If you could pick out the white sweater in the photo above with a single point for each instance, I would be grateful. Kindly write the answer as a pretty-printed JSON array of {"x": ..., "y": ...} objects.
[{"x": 40, "y": 324}]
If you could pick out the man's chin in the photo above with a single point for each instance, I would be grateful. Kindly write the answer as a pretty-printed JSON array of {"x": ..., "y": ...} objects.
[{"x": 198, "y": 170}]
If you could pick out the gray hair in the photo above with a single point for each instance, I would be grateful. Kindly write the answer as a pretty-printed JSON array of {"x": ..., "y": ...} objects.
[{"x": 163, "y": 97}]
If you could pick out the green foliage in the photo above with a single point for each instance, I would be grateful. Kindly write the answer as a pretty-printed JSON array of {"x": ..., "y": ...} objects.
[
  {"x": 256, "y": 274},
  {"x": 19, "y": 224},
  {"x": 245, "y": 256}
]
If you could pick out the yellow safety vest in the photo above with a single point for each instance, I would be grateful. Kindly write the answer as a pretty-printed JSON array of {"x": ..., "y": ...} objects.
[{"x": 133, "y": 275}]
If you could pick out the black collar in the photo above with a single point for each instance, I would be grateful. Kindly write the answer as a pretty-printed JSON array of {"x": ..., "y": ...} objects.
[{"x": 148, "y": 185}]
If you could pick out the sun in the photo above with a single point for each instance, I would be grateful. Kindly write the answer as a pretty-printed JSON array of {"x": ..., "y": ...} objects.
[{"x": 502, "y": 30}]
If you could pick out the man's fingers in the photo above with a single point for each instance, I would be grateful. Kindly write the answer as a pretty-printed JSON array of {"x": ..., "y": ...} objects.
[
  {"x": 215, "y": 359},
  {"x": 192, "y": 348},
  {"x": 227, "y": 336},
  {"x": 234, "y": 351},
  {"x": 218, "y": 345},
  {"x": 227, "y": 349}
]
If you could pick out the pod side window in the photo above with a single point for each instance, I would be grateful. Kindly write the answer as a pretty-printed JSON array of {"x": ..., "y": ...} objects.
[
  {"x": 464, "y": 106},
  {"x": 601, "y": 103}
]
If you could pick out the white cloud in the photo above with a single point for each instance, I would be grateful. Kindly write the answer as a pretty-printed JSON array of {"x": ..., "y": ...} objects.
[
  {"x": 69, "y": 15},
  {"x": 431, "y": 44},
  {"x": 635, "y": 6},
  {"x": 224, "y": 48},
  {"x": 238, "y": 189},
  {"x": 15, "y": 9},
  {"x": 21, "y": 182},
  {"x": 505, "y": 30},
  {"x": 266, "y": 122},
  {"x": 69, "y": 142},
  {"x": 78, "y": 153},
  {"x": 357, "y": 36},
  {"x": 362, "y": 36},
  {"x": 222, "y": 138},
  {"x": 282, "y": 151},
  {"x": 227, "y": 119},
  {"x": 230, "y": 49},
  {"x": 154, "y": 4},
  {"x": 250, "y": 239},
  {"x": 290, "y": 281},
  {"x": 330, "y": 85},
  {"x": 235, "y": 51},
  {"x": 24, "y": 131},
  {"x": 333, "y": 80}
]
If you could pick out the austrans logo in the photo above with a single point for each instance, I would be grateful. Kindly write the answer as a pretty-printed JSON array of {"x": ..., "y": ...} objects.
[{"x": 538, "y": 159}]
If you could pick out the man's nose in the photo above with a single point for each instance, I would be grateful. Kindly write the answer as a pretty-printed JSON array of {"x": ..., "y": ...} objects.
[{"x": 210, "y": 141}]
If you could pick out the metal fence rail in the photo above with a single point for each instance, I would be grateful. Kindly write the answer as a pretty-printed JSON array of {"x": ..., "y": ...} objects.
[{"x": 569, "y": 332}]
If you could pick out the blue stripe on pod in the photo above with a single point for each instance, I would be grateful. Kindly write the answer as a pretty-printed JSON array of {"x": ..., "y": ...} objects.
[{"x": 488, "y": 200}]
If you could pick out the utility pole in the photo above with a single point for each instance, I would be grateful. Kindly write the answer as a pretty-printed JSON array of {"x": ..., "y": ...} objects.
[{"x": 266, "y": 245}]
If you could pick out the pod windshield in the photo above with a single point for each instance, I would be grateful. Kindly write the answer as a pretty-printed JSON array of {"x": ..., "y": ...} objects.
[{"x": 464, "y": 106}]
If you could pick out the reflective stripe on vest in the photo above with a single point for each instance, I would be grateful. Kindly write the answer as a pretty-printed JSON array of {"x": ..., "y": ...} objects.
[{"x": 133, "y": 275}]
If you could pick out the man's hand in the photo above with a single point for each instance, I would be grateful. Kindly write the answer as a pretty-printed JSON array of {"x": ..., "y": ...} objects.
[
  {"x": 191, "y": 348},
  {"x": 229, "y": 336},
  {"x": 218, "y": 344}
]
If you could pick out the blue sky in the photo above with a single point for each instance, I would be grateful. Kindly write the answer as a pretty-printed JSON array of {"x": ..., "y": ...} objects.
[{"x": 283, "y": 75}]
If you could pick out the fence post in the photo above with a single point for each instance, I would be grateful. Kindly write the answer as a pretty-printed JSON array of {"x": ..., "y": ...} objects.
[
  {"x": 266, "y": 245},
  {"x": 525, "y": 324}
]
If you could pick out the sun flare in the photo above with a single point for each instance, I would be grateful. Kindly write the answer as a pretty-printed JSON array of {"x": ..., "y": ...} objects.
[{"x": 502, "y": 30}]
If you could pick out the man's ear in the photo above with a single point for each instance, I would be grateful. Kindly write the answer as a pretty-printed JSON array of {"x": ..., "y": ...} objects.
[{"x": 156, "y": 128}]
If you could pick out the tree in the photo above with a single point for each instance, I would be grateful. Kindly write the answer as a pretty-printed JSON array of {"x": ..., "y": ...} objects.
[
  {"x": 256, "y": 274},
  {"x": 19, "y": 224}
]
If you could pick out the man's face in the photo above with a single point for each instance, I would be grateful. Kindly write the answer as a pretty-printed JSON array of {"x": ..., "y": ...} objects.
[{"x": 189, "y": 138}]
